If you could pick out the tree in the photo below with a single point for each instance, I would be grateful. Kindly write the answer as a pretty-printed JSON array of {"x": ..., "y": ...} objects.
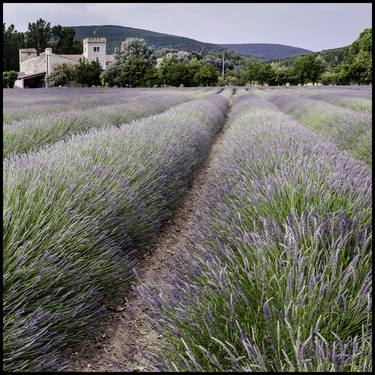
[
  {"x": 38, "y": 35},
  {"x": 63, "y": 41},
  {"x": 109, "y": 76},
  {"x": 317, "y": 69},
  {"x": 192, "y": 69},
  {"x": 88, "y": 73},
  {"x": 363, "y": 43},
  {"x": 151, "y": 77},
  {"x": 230, "y": 80},
  {"x": 360, "y": 71},
  {"x": 135, "y": 48},
  {"x": 183, "y": 56},
  {"x": 282, "y": 75},
  {"x": 132, "y": 73},
  {"x": 206, "y": 75},
  {"x": 173, "y": 73},
  {"x": 57, "y": 79},
  {"x": 61, "y": 75},
  {"x": 308, "y": 68},
  {"x": 250, "y": 71},
  {"x": 329, "y": 78},
  {"x": 12, "y": 42},
  {"x": 360, "y": 58},
  {"x": 162, "y": 52},
  {"x": 132, "y": 62},
  {"x": 9, "y": 78},
  {"x": 343, "y": 75},
  {"x": 266, "y": 75}
]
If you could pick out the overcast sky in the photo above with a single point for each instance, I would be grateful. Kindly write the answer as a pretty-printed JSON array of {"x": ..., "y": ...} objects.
[{"x": 310, "y": 26}]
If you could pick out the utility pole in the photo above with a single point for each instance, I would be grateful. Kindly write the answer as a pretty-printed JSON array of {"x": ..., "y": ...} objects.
[
  {"x": 46, "y": 72},
  {"x": 222, "y": 68}
]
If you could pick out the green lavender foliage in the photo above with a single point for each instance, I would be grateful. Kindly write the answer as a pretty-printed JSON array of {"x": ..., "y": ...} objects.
[{"x": 349, "y": 130}]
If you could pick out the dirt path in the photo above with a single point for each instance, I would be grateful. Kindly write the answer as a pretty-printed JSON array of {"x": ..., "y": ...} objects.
[{"x": 125, "y": 338}]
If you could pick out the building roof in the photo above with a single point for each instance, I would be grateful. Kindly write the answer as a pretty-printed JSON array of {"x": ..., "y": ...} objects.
[
  {"x": 32, "y": 75},
  {"x": 28, "y": 50}
]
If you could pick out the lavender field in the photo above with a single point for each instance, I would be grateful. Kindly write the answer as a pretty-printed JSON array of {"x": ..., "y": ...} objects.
[{"x": 275, "y": 272}]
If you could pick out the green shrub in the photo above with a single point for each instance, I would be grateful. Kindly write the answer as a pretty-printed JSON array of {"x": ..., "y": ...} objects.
[
  {"x": 88, "y": 73},
  {"x": 61, "y": 75},
  {"x": 9, "y": 78}
]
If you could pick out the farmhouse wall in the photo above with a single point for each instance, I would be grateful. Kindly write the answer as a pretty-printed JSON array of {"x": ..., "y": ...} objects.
[{"x": 19, "y": 83}]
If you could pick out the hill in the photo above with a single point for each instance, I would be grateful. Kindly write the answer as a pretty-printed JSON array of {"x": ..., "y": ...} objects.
[
  {"x": 266, "y": 51},
  {"x": 116, "y": 34}
]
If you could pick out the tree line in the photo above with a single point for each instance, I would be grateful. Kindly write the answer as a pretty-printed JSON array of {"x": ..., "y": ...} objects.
[{"x": 343, "y": 66}]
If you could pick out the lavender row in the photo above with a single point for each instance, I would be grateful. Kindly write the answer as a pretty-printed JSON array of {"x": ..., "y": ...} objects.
[
  {"x": 344, "y": 100},
  {"x": 349, "y": 130},
  {"x": 78, "y": 214},
  {"x": 31, "y": 103},
  {"x": 358, "y": 91},
  {"x": 278, "y": 274},
  {"x": 364, "y": 93},
  {"x": 32, "y": 134},
  {"x": 355, "y": 99}
]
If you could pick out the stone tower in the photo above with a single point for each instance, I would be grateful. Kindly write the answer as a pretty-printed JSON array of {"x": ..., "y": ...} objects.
[{"x": 95, "y": 48}]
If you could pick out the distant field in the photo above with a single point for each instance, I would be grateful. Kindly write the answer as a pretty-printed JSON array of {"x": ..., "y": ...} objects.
[{"x": 277, "y": 272}]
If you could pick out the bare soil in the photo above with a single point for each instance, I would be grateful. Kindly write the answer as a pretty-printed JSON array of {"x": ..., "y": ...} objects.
[{"x": 121, "y": 342}]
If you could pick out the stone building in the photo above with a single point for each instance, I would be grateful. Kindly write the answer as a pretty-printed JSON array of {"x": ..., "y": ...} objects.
[{"x": 34, "y": 69}]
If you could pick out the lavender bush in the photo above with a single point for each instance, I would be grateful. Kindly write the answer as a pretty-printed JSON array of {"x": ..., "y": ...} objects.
[
  {"x": 279, "y": 274},
  {"x": 349, "y": 130},
  {"x": 76, "y": 216}
]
